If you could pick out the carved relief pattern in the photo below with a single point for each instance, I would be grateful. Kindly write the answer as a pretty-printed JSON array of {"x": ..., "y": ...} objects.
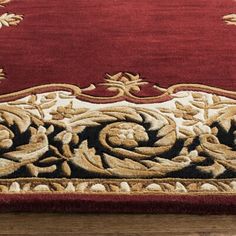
[
  {"x": 55, "y": 134},
  {"x": 181, "y": 140},
  {"x": 124, "y": 186}
]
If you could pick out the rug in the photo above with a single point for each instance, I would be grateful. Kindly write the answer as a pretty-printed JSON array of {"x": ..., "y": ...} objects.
[{"x": 118, "y": 106}]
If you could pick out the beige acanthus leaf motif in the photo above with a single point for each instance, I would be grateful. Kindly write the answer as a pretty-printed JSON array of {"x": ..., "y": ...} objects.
[
  {"x": 27, "y": 153},
  {"x": 155, "y": 120},
  {"x": 166, "y": 132},
  {"x": 129, "y": 168},
  {"x": 126, "y": 134},
  {"x": 8, "y": 167},
  {"x": 164, "y": 166},
  {"x": 90, "y": 119},
  {"x": 34, "y": 103},
  {"x": 94, "y": 118},
  {"x": 111, "y": 138},
  {"x": 216, "y": 99},
  {"x": 67, "y": 112},
  {"x": 185, "y": 133},
  {"x": 123, "y": 82},
  {"x": 223, "y": 156},
  {"x": 86, "y": 158},
  {"x": 2, "y": 74},
  {"x": 215, "y": 170},
  {"x": 200, "y": 105},
  {"x": 65, "y": 168},
  {"x": 122, "y": 113},
  {"x": 66, "y": 137},
  {"x": 214, "y": 149},
  {"x": 24, "y": 154},
  {"x": 120, "y": 136},
  {"x": 197, "y": 96},
  {"x": 10, "y": 19},
  {"x": 6, "y": 136},
  {"x": 49, "y": 160},
  {"x": 206, "y": 104},
  {"x": 4, "y": 2},
  {"x": 230, "y": 19},
  {"x": 225, "y": 119},
  {"x": 14, "y": 115},
  {"x": 229, "y": 164},
  {"x": 190, "y": 122},
  {"x": 186, "y": 112},
  {"x": 35, "y": 170},
  {"x": 114, "y": 162}
]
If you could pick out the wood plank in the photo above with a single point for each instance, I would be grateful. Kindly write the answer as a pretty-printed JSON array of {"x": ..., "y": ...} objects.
[{"x": 28, "y": 224}]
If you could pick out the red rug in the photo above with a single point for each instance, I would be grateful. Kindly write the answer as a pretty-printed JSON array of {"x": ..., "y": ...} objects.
[{"x": 118, "y": 106}]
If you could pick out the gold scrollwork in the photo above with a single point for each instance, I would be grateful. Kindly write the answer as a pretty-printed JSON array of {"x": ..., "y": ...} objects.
[{"x": 194, "y": 132}]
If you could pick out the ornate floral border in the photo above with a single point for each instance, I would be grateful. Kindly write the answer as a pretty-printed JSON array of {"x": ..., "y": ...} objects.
[{"x": 126, "y": 86}]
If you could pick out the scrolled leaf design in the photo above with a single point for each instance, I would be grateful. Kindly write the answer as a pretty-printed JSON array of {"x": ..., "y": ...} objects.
[{"x": 42, "y": 137}]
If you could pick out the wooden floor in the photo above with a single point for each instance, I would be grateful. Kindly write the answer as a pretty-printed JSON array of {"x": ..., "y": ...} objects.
[{"x": 111, "y": 225}]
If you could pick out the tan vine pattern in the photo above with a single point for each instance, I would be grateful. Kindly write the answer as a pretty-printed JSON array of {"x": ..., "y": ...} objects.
[
  {"x": 56, "y": 135},
  {"x": 9, "y": 19}
]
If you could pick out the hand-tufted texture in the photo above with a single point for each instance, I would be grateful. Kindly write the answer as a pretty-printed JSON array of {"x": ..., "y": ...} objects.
[{"x": 157, "y": 134}]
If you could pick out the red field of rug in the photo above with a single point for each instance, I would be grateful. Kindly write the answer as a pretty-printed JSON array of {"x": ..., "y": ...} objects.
[{"x": 118, "y": 106}]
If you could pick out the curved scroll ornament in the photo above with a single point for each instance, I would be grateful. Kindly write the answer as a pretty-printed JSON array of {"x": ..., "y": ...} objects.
[
  {"x": 127, "y": 143},
  {"x": 55, "y": 134},
  {"x": 125, "y": 87}
]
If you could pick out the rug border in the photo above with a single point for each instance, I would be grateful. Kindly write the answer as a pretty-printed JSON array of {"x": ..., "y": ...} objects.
[{"x": 76, "y": 203}]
